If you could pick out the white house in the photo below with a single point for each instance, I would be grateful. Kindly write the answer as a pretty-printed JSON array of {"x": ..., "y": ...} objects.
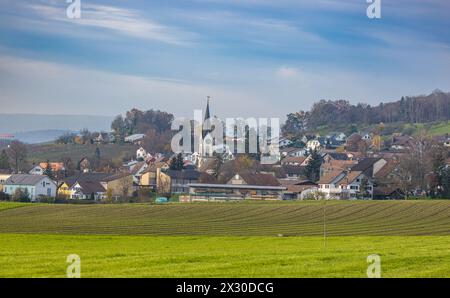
[
  {"x": 141, "y": 154},
  {"x": 40, "y": 168},
  {"x": 341, "y": 137},
  {"x": 284, "y": 142},
  {"x": 345, "y": 185},
  {"x": 367, "y": 137},
  {"x": 136, "y": 138},
  {"x": 88, "y": 190},
  {"x": 35, "y": 185}
]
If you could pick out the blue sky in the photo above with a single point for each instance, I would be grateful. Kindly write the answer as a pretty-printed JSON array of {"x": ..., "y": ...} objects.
[{"x": 254, "y": 57}]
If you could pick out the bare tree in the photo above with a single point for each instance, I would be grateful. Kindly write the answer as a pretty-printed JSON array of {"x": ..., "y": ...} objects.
[{"x": 17, "y": 153}]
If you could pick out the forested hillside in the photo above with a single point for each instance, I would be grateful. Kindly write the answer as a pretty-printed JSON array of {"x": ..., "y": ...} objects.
[{"x": 418, "y": 109}]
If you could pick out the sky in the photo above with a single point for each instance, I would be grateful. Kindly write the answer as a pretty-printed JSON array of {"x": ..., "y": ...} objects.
[{"x": 255, "y": 58}]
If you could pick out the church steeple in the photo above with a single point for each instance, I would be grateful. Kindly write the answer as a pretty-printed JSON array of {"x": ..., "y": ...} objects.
[{"x": 207, "y": 114}]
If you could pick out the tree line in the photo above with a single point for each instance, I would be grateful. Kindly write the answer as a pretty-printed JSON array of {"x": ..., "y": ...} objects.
[{"x": 417, "y": 109}]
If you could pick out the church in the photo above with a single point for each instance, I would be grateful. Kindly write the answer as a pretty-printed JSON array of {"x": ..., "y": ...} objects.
[{"x": 207, "y": 143}]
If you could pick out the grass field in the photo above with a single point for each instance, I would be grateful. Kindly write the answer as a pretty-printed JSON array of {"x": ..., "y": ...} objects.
[
  {"x": 202, "y": 256},
  {"x": 227, "y": 240},
  {"x": 345, "y": 218}
]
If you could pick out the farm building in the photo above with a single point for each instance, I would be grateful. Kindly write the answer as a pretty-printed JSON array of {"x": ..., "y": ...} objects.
[{"x": 242, "y": 186}]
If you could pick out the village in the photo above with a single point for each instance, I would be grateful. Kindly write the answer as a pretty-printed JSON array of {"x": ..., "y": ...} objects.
[{"x": 317, "y": 167}]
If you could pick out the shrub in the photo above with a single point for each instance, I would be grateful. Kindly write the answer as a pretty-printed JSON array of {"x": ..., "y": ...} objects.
[
  {"x": 4, "y": 196},
  {"x": 21, "y": 195}
]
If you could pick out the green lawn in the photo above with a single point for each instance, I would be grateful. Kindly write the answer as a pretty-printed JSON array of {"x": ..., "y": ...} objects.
[
  {"x": 227, "y": 239},
  {"x": 168, "y": 256}
]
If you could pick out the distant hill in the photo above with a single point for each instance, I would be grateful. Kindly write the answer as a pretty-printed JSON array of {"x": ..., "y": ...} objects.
[
  {"x": 40, "y": 136},
  {"x": 17, "y": 124}
]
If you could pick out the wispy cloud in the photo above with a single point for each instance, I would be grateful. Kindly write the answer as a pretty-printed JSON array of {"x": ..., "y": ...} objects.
[{"x": 118, "y": 20}]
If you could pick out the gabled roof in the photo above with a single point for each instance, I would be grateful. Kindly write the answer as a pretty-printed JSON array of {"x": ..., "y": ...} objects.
[
  {"x": 330, "y": 177},
  {"x": 259, "y": 179},
  {"x": 290, "y": 169},
  {"x": 293, "y": 159},
  {"x": 116, "y": 176},
  {"x": 338, "y": 156},
  {"x": 89, "y": 187},
  {"x": 365, "y": 163},
  {"x": 184, "y": 174},
  {"x": 388, "y": 168},
  {"x": 24, "y": 179},
  {"x": 349, "y": 177},
  {"x": 286, "y": 182},
  {"x": 135, "y": 170},
  {"x": 55, "y": 166},
  {"x": 87, "y": 177}
]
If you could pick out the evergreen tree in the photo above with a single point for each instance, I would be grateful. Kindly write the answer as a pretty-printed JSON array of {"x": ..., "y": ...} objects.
[
  {"x": 180, "y": 162},
  {"x": 4, "y": 160},
  {"x": 312, "y": 169},
  {"x": 48, "y": 170},
  {"x": 97, "y": 153},
  {"x": 363, "y": 188},
  {"x": 177, "y": 163}
]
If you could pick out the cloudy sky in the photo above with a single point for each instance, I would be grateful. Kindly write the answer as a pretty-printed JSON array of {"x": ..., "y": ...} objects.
[{"x": 254, "y": 57}]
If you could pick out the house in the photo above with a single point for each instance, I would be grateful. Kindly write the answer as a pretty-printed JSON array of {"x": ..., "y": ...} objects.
[
  {"x": 117, "y": 185},
  {"x": 148, "y": 177},
  {"x": 87, "y": 190},
  {"x": 369, "y": 166},
  {"x": 135, "y": 139},
  {"x": 400, "y": 143},
  {"x": 242, "y": 186},
  {"x": 294, "y": 188},
  {"x": 104, "y": 138},
  {"x": 345, "y": 185},
  {"x": 3, "y": 178},
  {"x": 330, "y": 165},
  {"x": 137, "y": 171},
  {"x": 141, "y": 154},
  {"x": 283, "y": 142},
  {"x": 388, "y": 193},
  {"x": 293, "y": 161},
  {"x": 367, "y": 137},
  {"x": 340, "y": 137},
  {"x": 39, "y": 169},
  {"x": 173, "y": 181},
  {"x": 293, "y": 172},
  {"x": 293, "y": 151},
  {"x": 36, "y": 185},
  {"x": 84, "y": 165}
]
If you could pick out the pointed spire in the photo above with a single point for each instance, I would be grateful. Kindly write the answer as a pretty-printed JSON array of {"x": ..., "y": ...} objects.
[{"x": 207, "y": 114}]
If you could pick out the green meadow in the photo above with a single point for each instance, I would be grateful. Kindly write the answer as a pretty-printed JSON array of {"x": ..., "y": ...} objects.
[{"x": 273, "y": 239}]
